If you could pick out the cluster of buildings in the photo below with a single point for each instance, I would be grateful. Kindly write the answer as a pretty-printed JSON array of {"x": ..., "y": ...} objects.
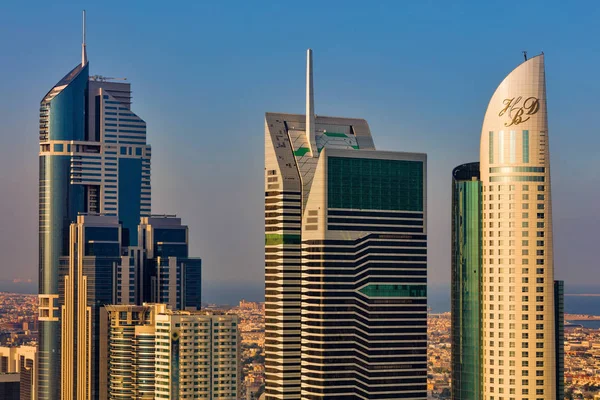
[
  {"x": 119, "y": 309},
  {"x": 346, "y": 264},
  {"x": 439, "y": 352},
  {"x": 345, "y": 312},
  {"x": 18, "y": 319},
  {"x": 252, "y": 333},
  {"x": 507, "y": 309},
  {"x": 582, "y": 361}
]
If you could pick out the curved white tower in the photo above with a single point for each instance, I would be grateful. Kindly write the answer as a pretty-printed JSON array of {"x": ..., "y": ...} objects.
[{"x": 518, "y": 277}]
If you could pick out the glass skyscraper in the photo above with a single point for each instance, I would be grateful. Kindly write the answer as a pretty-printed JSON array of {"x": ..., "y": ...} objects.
[
  {"x": 171, "y": 276},
  {"x": 466, "y": 283},
  {"x": 345, "y": 261},
  {"x": 93, "y": 159}
]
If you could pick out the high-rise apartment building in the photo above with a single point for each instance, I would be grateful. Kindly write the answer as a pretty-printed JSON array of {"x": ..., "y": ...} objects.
[
  {"x": 153, "y": 352},
  {"x": 466, "y": 283},
  {"x": 519, "y": 323},
  {"x": 345, "y": 261},
  {"x": 93, "y": 159}
]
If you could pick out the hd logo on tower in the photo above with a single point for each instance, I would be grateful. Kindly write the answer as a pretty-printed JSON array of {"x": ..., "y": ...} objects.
[{"x": 519, "y": 111}]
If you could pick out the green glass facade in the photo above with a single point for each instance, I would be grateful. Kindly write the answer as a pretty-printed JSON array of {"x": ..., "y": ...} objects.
[
  {"x": 466, "y": 291},
  {"x": 374, "y": 184},
  {"x": 377, "y": 290}
]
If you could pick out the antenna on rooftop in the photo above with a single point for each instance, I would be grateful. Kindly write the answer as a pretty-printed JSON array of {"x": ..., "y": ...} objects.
[
  {"x": 310, "y": 103},
  {"x": 83, "y": 51},
  {"x": 525, "y": 55}
]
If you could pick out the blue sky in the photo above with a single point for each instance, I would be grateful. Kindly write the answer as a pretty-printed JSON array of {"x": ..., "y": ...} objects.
[{"x": 204, "y": 73}]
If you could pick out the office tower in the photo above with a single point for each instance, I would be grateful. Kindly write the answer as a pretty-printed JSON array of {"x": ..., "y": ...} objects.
[
  {"x": 171, "y": 276},
  {"x": 153, "y": 352},
  {"x": 345, "y": 261},
  {"x": 466, "y": 283},
  {"x": 93, "y": 158},
  {"x": 519, "y": 358},
  {"x": 20, "y": 360},
  {"x": 559, "y": 334},
  {"x": 90, "y": 282}
]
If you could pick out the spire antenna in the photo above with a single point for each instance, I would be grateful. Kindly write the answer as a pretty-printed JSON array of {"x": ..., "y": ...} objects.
[
  {"x": 310, "y": 103},
  {"x": 83, "y": 50},
  {"x": 525, "y": 55}
]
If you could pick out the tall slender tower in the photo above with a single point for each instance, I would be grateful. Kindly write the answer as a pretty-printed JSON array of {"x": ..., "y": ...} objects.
[
  {"x": 345, "y": 261},
  {"x": 518, "y": 272},
  {"x": 93, "y": 159},
  {"x": 466, "y": 283}
]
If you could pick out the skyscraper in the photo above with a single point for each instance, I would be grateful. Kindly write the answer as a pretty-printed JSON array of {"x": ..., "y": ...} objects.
[
  {"x": 466, "y": 283},
  {"x": 345, "y": 261},
  {"x": 171, "y": 276},
  {"x": 519, "y": 348},
  {"x": 93, "y": 159},
  {"x": 153, "y": 352},
  {"x": 90, "y": 277}
]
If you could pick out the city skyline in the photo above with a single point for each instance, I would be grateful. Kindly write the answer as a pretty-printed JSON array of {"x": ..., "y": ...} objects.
[{"x": 204, "y": 211}]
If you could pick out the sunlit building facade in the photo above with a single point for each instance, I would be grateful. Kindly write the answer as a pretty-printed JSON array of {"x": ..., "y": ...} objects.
[
  {"x": 466, "y": 283},
  {"x": 345, "y": 261},
  {"x": 152, "y": 352},
  {"x": 519, "y": 346},
  {"x": 93, "y": 159}
]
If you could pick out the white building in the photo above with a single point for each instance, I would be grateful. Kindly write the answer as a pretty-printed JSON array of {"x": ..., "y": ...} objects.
[{"x": 518, "y": 272}]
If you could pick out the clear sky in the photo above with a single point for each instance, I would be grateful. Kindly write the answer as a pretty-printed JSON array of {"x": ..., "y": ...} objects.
[{"x": 204, "y": 73}]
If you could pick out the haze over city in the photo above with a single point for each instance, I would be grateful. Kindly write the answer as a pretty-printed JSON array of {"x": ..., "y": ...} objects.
[{"x": 204, "y": 74}]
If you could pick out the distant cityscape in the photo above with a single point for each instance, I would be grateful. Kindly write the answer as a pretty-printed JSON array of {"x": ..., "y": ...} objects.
[
  {"x": 120, "y": 311},
  {"x": 18, "y": 322}
]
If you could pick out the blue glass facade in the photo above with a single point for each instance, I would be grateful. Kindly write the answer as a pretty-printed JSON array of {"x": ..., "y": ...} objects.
[
  {"x": 62, "y": 117},
  {"x": 130, "y": 184},
  {"x": 193, "y": 283}
]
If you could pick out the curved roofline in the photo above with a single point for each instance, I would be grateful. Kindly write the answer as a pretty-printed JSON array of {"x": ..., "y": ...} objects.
[
  {"x": 68, "y": 78},
  {"x": 466, "y": 172},
  {"x": 506, "y": 77}
]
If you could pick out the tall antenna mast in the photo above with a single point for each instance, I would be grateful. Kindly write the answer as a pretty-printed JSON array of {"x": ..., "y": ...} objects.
[
  {"x": 310, "y": 103},
  {"x": 83, "y": 51}
]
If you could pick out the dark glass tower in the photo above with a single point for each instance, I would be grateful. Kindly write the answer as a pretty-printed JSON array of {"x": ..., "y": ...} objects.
[
  {"x": 466, "y": 283},
  {"x": 62, "y": 121},
  {"x": 93, "y": 159},
  {"x": 559, "y": 335},
  {"x": 170, "y": 276}
]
